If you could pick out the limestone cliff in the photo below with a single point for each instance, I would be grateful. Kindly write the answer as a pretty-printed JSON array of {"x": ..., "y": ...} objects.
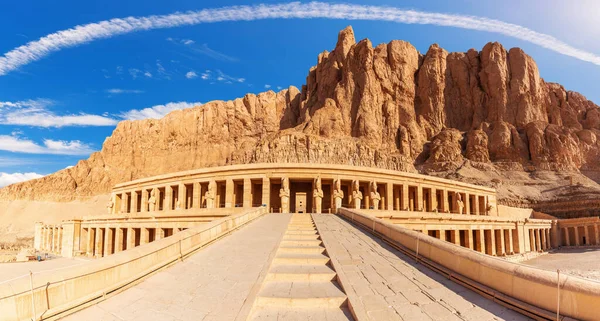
[{"x": 386, "y": 106}]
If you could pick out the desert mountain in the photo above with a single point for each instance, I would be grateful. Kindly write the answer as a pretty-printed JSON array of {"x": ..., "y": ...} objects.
[{"x": 485, "y": 117}]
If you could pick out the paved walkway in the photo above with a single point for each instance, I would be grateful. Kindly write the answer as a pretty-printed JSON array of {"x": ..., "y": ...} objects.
[
  {"x": 213, "y": 284},
  {"x": 582, "y": 261},
  {"x": 390, "y": 286},
  {"x": 9, "y": 271}
]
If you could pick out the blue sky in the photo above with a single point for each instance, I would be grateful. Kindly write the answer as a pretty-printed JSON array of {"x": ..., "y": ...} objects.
[{"x": 57, "y": 108}]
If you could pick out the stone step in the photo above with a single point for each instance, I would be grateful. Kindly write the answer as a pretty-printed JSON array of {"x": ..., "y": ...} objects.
[
  {"x": 301, "y": 273},
  {"x": 300, "y": 259},
  {"x": 301, "y": 295},
  {"x": 309, "y": 314},
  {"x": 302, "y": 228},
  {"x": 301, "y": 237},
  {"x": 300, "y": 232},
  {"x": 302, "y": 249},
  {"x": 300, "y": 242}
]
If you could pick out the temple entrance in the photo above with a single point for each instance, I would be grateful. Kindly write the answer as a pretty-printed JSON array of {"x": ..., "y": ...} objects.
[{"x": 300, "y": 202}]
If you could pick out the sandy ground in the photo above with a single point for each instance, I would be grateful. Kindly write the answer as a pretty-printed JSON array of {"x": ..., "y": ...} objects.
[
  {"x": 584, "y": 262},
  {"x": 17, "y": 218}
]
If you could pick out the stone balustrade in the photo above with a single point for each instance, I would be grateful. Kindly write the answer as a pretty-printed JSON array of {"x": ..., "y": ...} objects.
[{"x": 527, "y": 289}]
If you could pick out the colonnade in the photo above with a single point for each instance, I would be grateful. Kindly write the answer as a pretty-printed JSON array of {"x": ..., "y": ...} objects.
[
  {"x": 323, "y": 194},
  {"x": 51, "y": 238},
  {"x": 103, "y": 241},
  {"x": 581, "y": 234}
]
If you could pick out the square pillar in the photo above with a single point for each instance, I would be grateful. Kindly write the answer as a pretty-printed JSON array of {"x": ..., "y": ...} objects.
[
  {"x": 266, "y": 192},
  {"x": 538, "y": 243},
  {"x": 247, "y": 192},
  {"x": 145, "y": 236},
  {"x": 490, "y": 242},
  {"x": 159, "y": 234},
  {"x": 548, "y": 239},
  {"x": 196, "y": 195},
  {"x": 37, "y": 236},
  {"x": 532, "y": 240},
  {"x": 480, "y": 236},
  {"x": 130, "y": 238},
  {"x": 118, "y": 240},
  {"x": 168, "y": 204},
  {"x": 476, "y": 204},
  {"x": 419, "y": 200},
  {"x": 445, "y": 208},
  {"x": 587, "y": 234},
  {"x": 70, "y": 238},
  {"x": 229, "y": 193},
  {"x": 181, "y": 198},
  {"x": 508, "y": 237},
  {"x": 499, "y": 239},
  {"x": 543, "y": 242},
  {"x": 469, "y": 239},
  {"x": 145, "y": 200},
  {"x": 467, "y": 203},
  {"x": 433, "y": 199},
  {"x": 576, "y": 236},
  {"x": 134, "y": 202},
  {"x": 566, "y": 241},
  {"x": 442, "y": 235},
  {"x": 124, "y": 202},
  {"x": 91, "y": 240},
  {"x": 99, "y": 242},
  {"x": 397, "y": 199},
  {"x": 389, "y": 196},
  {"x": 108, "y": 241},
  {"x": 455, "y": 237},
  {"x": 405, "y": 199}
]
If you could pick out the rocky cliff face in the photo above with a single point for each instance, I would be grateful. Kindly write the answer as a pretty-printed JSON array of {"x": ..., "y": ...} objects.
[{"x": 385, "y": 106}]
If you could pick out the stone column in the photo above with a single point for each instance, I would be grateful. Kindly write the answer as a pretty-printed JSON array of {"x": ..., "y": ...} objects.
[
  {"x": 455, "y": 237},
  {"x": 118, "y": 240},
  {"x": 159, "y": 234},
  {"x": 544, "y": 243},
  {"x": 229, "y": 193},
  {"x": 99, "y": 242},
  {"x": 145, "y": 236},
  {"x": 108, "y": 241},
  {"x": 442, "y": 235},
  {"x": 145, "y": 200},
  {"x": 467, "y": 203},
  {"x": 586, "y": 234},
  {"x": 531, "y": 240},
  {"x": 247, "y": 192},
  {"x": 548, "y": 239},
  {"x": 490, "y": 242},
  {"x": 134, "y": 202},
  {"x": 181, "y": 197},
  {"x": 124, "y": 202},
  {"x": 476, "y": 204},
  {"x": 389, "y": 196},
  {"x": 419, "y": 200},
  {"x": 500, "y": 245},
  {"x": 596, "y": 236},
  {"x": 37, "y": 236},
  {"x": 538, "y": 243},
  {"x": 576, "y": 236},
  {"x": 508, "y": 237},
  {"x": 469, "y": 239},
  {"x": 130, "y": 238},
  {"x": 168, "y": 203},
  {"x": 397, "y": 200},
  {"x": 566, "y": 241},
  {"x": 405, "y": 199},
  {"x": 53, "y": 246},
  {"x": 445, "y": 208},
  {"x": 480, "y": 236},
  {"x": 266, "y": 192},
  {"x": 196, "y": 195},
  {"x": 91, "y": 239}
]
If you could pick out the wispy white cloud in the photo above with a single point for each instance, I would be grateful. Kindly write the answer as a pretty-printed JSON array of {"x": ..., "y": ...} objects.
[
  {"x": 279, "y": 87},
  {"x": 191, "y": 75},
  {"x": 188, "y": 41},
  {"x": 117, "y": 91},
  {"x": 81, "y": 34},
  {"x": 36, "y": 112},
  {"x": 12, "y": 178},
  {"x": 205, "y": 50},
  {"x": 267, "y": 86},
  {"x": 156, "y": 112},
  {"x": 148, "y": 74},
  {"x": 220, "y": 76},
  {"x": 59, "y": 147}
]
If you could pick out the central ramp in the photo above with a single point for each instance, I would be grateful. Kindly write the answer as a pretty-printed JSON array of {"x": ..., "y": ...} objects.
[{"x": 301, "y": 284}]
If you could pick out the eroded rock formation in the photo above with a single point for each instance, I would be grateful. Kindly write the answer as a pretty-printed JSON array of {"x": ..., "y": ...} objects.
[{"x": 386, "y": 106}]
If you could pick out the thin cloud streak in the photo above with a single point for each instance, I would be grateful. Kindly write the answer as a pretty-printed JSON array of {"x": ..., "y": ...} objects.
[
  {"x": 81, "y": 34},
  {"x": 12, "y": 178}
]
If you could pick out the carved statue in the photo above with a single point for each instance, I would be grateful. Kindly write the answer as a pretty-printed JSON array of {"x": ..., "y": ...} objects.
[
  {"x": 375, "y": 197},
  {"x": 357, "y": 195},
  {"x": 318, "y": 195},
  {"x": 152, "y": 201},
  {"x": 210, "y": 194},
  {"x": 489, "y": 209},
  {"x": 338, "y": 194},
  {"x": 284, "y": 194},
  {"x": 460, "y": 204},
  {"x": 110, "y": 204}
]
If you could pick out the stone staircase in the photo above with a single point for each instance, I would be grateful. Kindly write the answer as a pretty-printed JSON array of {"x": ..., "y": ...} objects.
[{"x": 301, "y": 283}]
